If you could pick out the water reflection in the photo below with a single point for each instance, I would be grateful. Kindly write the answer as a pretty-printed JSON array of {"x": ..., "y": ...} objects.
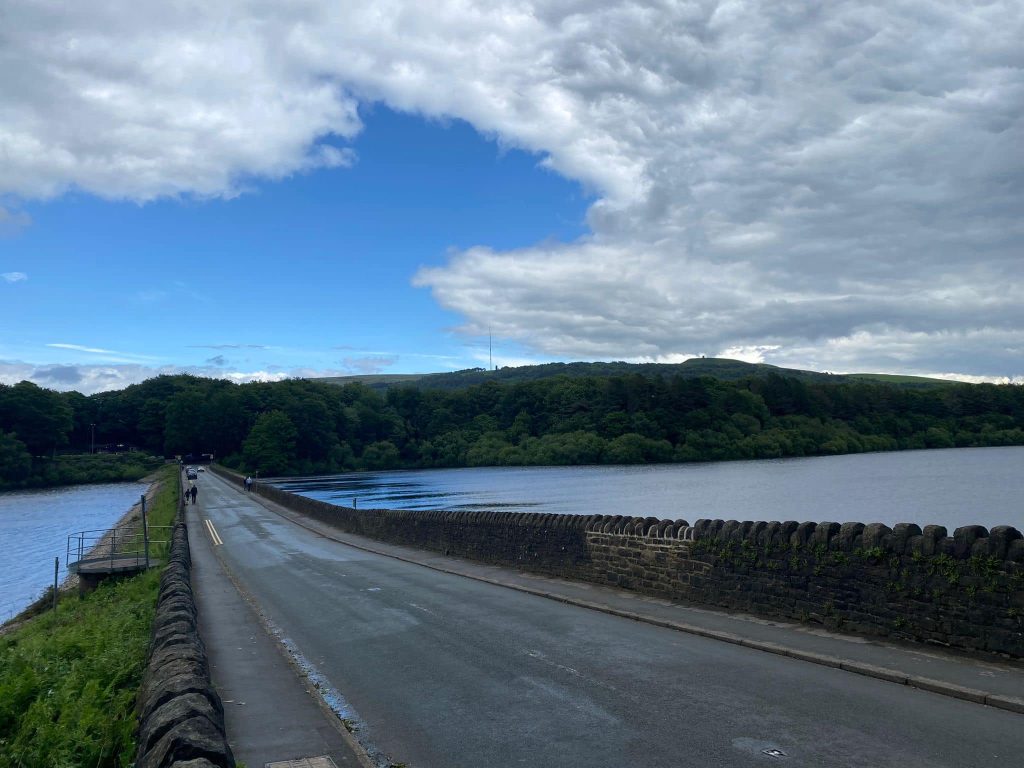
[
  {"x": 953, "y": 487},
  {"x": 34, "y": 526}
]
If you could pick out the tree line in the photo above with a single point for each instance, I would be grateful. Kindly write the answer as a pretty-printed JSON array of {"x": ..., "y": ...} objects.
[{"x": 307, "y": 427}]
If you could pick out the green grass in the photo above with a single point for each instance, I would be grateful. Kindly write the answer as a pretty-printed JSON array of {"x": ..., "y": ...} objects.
[
  {"x": 891, "y": 378},
  {"x": 68, "y": 679},
  {"x": 718, "y": 368}
]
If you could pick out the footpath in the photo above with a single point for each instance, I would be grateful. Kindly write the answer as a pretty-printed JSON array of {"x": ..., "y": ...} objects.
[{"x": 272, "y": 715}]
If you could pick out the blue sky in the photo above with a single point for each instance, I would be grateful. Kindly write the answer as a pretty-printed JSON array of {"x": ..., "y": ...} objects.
[
  {"x": 261, "y": 190},
  {"x": 311, "y": 272}
]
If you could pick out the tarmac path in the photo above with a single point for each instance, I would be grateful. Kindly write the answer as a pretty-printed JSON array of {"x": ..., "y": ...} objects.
[{"x": 435, "y": 670}]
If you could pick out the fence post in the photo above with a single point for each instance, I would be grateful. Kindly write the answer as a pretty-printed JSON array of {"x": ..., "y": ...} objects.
[
  {"x": 56, "y": 568},
  {"x": 113, "y": 547},
  {"x": 145, "y": 531}
]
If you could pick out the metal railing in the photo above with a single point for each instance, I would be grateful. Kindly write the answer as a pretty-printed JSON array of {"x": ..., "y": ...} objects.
[{"x": 124, "y": 547}]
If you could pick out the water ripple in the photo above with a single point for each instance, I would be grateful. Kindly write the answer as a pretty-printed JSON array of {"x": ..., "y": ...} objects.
[{"x": 34, "y": 526}]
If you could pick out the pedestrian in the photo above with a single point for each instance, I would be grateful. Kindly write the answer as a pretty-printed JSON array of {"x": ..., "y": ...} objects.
[
  {"x": 195, "y": 492},
  {"x": 248, "y": 483}
]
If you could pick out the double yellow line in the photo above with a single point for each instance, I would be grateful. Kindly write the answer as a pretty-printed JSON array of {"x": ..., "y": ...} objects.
[{"x": 214, "y": 536}]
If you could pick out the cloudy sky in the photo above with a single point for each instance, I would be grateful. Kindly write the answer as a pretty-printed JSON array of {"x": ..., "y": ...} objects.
[{"x": 257, "y": 189}]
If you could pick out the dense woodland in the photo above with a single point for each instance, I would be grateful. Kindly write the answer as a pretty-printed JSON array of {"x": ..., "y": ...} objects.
[{"x": 305, "y": 427}]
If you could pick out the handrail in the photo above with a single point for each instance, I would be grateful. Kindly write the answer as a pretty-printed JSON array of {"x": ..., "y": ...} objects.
[{"x": 121, "y": 544}]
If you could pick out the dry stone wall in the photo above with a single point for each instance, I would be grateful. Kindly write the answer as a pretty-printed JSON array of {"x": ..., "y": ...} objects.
[
  {"x": 181, "y": 718},
  {"x": 964, "y": 591}
]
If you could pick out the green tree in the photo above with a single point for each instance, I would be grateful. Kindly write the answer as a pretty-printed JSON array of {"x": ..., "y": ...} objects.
[
  {"x": 40, "y": 417},
  {"x": 15, "y": 461},
  {"x": 225, "y": 422},
  {"x": 270, "y": 447},
  {"x": 381, "y": 455},
  {"x": 182, "y": 428}
]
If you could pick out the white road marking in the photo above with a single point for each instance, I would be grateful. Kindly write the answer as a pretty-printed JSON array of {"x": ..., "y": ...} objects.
[{"x": 213, "y": 532}]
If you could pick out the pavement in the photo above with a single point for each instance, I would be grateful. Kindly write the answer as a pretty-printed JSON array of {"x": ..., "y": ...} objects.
[
  {"x": 273, "y": 712},
  {"x": 271, "y": 709}
]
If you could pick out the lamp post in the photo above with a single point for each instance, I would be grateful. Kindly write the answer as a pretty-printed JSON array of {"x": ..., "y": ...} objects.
[{"x": 92, "y": 428}]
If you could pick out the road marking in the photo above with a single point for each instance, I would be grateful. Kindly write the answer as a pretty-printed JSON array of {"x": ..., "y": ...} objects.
[{"x": 213, "y": 532}]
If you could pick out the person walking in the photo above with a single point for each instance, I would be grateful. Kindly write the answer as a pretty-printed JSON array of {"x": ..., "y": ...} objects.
[
  {"x": 248, "y": 483},
  {"x": 194, "y": 492}
]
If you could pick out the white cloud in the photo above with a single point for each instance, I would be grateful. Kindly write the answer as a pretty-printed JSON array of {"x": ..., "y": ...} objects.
[
  {"x": 748, "y": 354},
  {"x": 90, "y": 379},
  {"x": 14, "y": 277},
  {"x": 110, "y": 355},
  {"x": 774, "y": 177},
  {"x": 80, "y": 348}
]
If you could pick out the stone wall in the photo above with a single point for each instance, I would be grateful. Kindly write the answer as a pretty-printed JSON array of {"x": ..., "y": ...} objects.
[
  {"x": 964, "y": 591},
  {"x": 181, "y": 718}
]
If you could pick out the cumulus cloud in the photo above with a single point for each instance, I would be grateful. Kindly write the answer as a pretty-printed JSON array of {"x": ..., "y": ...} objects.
[
  {"x": 87, "y": 379},
  {"x": 140, "y": 100},
  {"x": 832, "y": 187},
  {"x": 14, "y": 277},
  {"x": 90, "y": 379}
]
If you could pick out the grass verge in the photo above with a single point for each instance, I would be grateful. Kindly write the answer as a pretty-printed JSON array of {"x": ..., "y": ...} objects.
[{"x": 68, "y": 678}]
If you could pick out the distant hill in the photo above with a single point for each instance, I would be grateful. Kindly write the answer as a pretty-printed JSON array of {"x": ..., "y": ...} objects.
[{"x": 715, "y": 367}]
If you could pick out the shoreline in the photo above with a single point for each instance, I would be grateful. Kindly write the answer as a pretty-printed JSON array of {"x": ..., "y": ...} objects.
[{"x": 70, "y": 581}]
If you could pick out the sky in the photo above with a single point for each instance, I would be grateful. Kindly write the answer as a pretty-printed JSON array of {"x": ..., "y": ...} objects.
[{"x": 258, "y": 190}]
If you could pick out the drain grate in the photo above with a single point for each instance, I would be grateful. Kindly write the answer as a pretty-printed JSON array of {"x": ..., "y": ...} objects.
[{"x": 304, "y": 762}]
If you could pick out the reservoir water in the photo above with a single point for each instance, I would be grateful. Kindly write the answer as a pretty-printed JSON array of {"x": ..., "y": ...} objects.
[
  {"x": 34, "y": 526},
  {"x": 952, "y": 487}
]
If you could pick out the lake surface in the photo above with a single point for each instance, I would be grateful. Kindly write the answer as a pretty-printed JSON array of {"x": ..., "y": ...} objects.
[
  {"x": 34, "y": 528},
  {"x": 954, "y": 487}
]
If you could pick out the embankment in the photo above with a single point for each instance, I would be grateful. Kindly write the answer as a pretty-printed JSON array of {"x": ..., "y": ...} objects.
[{"x": 964, "y": 591}]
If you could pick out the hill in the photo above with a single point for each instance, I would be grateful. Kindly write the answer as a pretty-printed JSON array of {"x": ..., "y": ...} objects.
[{"x": 719, "y": 368}]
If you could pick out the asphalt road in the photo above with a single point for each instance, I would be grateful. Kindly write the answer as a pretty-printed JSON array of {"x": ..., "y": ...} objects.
[{"x": 439, "y": 671}]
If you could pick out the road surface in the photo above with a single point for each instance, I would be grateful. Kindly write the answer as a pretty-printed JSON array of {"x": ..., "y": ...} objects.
[{"x": 438, "y": 671}]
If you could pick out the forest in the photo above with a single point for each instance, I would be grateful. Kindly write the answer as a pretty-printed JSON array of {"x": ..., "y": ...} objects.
[{"x": 307, "y": 427}]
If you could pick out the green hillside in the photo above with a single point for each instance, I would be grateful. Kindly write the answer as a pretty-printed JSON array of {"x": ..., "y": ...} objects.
[
  {"x": 715, "y": 367},
  {"x": 593, "y": 413}
]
